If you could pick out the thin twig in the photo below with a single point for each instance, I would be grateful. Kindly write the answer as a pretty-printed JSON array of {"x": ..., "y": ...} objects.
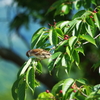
[
  {"x": 94, "y": 38},
  {"x": 83, "y": 94}
]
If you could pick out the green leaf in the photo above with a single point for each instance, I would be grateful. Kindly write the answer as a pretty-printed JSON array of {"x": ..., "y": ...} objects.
[
  {"x": 65, "y": 9},
  {"x": 72, "y": 41},
  {"x": 78, "y": 14},
  {"x": 62, "y": 46},
  {"x": 89, "y": 30},
  {"x": 39, "y": 39},
  {"x": 69, "y": 26},
  {"x": 53, "y": 6},
  {"x": 77, "y": 4},
  {"x": 25, "y": 67},
  {"x": 54, "y": 59},
  {"x": 39, "y": 67},
  {"x": 55, "y": 87},
  {"x": 63, "y": 61},
  {"x": 37, "y": 36},
  {"x": 72, "y": 95},
  {"x": 53, "y": 37},
  {"x": 68, "y": 51},
  {"x": 30, "y": 78},
  {"x": 94, "y": 2},
  {"x": 45, "y": 96},
  {"x": 90, "y": 21},
  {"x": 59, "y": 32},
  {"x": 96, "y": 88},
  {"x": 15, "y": 89},
  {"x": 96, "y": 65},
  {"x": 80, "y": 49},
  {"x": 21, "y": 91},
  {"x": 62, "y": 24},
  {"x": 66, "y": 85},
  {"x": 50, "y": 36},
  {"x": 62, "y": 9},
  {"x": 54, "y": 56},
  {"x": 86, "y": 4},
  {"x": 43, "y": 41},
  {"x": 57, "y": 60},
  {"x": 88, "y": 38},
  {"x": 97, "y": 20},
  {"x": 82, "y": 81},
  {"x": 76, "y": 57},
  {"x": 19, "y": 85}
]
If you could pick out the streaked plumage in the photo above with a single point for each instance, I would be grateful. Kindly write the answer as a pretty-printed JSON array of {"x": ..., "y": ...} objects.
[{"x": 38, "y": 53}]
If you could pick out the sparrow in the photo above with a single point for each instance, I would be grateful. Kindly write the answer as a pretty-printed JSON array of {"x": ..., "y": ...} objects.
[{"x": 39, "y": 53}]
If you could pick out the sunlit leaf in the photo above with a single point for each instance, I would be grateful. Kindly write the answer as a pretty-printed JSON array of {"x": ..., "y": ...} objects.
[
  {"x": 45, "y": 96},
  {"x": 96, "y": 88},
  {"x": 65, "y": 9},
  {"x": 36, "y": 37},
  {"x": 43, "y": 40},
  {"x": 25, "y": 67},
  {"x": 39, "y": 39},
  {"x": 97, "y": 20},
  {"x": 88, "y": 38},
  {"x": 68, "y": 51},
  {"x": 79, "y": 14},
  {"x": 69, "y": 26},
  {"x": 66, "y": 85},
  {"x": 55, "y": 37},
  {"x": 77, "y": 4},
  {"x": 62, "y": 9},
  {"x": 89, "y": 30},
  {"x": 72, "y": 41},
  {"x": 50, "y": 36},
  {"x": 62, "y": 24},
  {"x": 64, "y": 62},
  {"x": 80, "y": 49},
  {"x": 59, "y": 32}
]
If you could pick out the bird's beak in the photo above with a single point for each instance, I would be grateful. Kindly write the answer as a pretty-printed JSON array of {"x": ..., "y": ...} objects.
[{"x": 27, "y": 54}]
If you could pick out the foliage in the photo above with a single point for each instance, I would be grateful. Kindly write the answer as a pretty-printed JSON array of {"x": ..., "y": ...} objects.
[{"x": 66, "y": 40}]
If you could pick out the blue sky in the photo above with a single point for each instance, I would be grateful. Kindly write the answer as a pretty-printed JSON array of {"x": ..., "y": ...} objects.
[{"x": 8, "y": 70}]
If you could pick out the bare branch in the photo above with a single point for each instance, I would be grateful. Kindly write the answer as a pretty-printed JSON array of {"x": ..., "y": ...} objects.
[{"x": 10, "y": 55}]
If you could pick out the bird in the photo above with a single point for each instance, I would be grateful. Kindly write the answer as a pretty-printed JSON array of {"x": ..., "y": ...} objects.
[{"x": 38, "y": 53}]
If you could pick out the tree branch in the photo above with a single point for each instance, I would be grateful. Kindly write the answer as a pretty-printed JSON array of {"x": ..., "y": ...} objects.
[
  {"x": 10, "y": 55},
  {"x": 94, "y": 38}
]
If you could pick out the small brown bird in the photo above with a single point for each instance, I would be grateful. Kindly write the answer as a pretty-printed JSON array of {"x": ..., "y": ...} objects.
[{"x": 39, "y": 53}]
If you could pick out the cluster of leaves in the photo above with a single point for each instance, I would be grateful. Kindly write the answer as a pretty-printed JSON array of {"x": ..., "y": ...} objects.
[
  {"x": 35, "y": 10},
  {"x": 71, "y": 89},
  {"x": 25, "y": 78},
  {"x": 63, "y": 7},
  {"x": 65, "y": 40}
]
